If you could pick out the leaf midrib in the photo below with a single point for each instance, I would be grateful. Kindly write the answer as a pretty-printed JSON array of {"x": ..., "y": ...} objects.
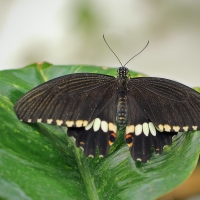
[{"x": 86, "y": 175}]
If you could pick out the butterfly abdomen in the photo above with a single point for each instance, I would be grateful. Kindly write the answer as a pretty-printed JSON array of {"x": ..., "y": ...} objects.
[{"x": 122, "y": 109}]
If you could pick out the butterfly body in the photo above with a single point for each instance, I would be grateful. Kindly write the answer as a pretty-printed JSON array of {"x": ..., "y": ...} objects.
[
  {"x": 91, "y": 105},
  {"x": 122, "y": 109},
  {"x": 122, "y": 88}
]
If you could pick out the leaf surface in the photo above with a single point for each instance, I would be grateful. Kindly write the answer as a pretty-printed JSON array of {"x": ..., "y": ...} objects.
[{"x": 39, "y": 161}]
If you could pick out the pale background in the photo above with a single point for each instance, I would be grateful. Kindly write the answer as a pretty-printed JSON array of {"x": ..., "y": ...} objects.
[{"x": 70, "y": 32}]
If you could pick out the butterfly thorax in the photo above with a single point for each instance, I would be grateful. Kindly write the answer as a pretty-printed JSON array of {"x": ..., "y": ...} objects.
[{"x": 122, "y": 79}]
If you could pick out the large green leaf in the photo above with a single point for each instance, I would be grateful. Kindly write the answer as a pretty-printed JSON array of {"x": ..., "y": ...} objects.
[{"x": 39, "y": 161}]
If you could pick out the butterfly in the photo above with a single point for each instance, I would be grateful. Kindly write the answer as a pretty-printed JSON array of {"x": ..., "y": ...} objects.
[{"x": 91, "y": 106}]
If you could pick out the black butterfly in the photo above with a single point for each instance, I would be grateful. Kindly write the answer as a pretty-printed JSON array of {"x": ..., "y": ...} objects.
[{"x": 153, "y": 110}]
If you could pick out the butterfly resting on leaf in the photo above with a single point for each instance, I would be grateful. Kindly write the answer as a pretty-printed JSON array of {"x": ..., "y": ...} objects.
[{"x": 90, "y": 105}]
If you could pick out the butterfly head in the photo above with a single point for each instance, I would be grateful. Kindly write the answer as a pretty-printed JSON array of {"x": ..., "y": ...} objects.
[{"x": 122, "y": 71}]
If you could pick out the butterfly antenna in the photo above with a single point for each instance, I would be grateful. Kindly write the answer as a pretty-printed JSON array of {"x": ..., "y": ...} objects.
[
  {"x": 112, "y": 51},
  {"x": 137, "y": 53}
]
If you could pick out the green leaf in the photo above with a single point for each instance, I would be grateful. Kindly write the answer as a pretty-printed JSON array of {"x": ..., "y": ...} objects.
[{"x": 39, "y": 161}]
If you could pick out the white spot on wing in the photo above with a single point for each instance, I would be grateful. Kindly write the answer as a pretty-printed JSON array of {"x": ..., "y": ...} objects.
[
  {"x": 145, "y": 128},
  {"x": 138, "y": 129},
  {"x": 49, "y": 121},
  {"x": 160, "y": 128},
  {"x": 167, "y": 127},
  {"x": 29, "y": 120},
  {"x": 130, "y": 129},
  {"x": 79, "y": 123},
  {"x": 176, "y": 128},
  {"x": 112, "y": 127},
  {"x": 97, "y": 124},
  {"x": 59, "y": 122},
  {"x": 152, "y": 129},
  {"x": 89, "y": 126},
  {"x": 194, "y": 128},
  {"x": 85, "y": 122},
  {"x": 69, "y": 123},
  {"x": 39, "y": 120},
  {"x": 185, "y": 128},
  {"x": 104, "y": 126}
]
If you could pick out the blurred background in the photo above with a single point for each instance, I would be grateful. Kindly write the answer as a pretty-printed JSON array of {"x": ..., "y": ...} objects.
[{"x": 70, "y": 32}]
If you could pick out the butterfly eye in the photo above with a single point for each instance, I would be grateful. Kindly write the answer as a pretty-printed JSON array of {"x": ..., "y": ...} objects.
[{"x": 126, "y": 70}]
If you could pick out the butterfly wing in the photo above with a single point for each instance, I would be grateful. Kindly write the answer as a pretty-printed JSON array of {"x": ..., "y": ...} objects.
[
  {"x": 101, "y": 132},
  {"x": 158, "y": 109},
  {"x": 85, "y": 103},
  {"x": 141, "y": 134},
  {"x": 170, "y": 106},
  {"x": 73, "y": 100}
]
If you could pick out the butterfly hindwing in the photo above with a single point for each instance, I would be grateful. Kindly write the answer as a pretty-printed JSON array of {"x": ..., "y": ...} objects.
[
  {"x": 142, "y": 147},
  {"x": 72, "y": 100},
  {"x": 171, "y": 106},
  {"x": 100, "y": 133},
  {"x": 142, "y": 135}
]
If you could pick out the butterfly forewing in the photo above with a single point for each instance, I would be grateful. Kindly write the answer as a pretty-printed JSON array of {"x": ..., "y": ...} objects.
[
  {"x": 71, "y": 100},
  {"x": 141, "y": 134},
  {"x": 171, "y": 106}
]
